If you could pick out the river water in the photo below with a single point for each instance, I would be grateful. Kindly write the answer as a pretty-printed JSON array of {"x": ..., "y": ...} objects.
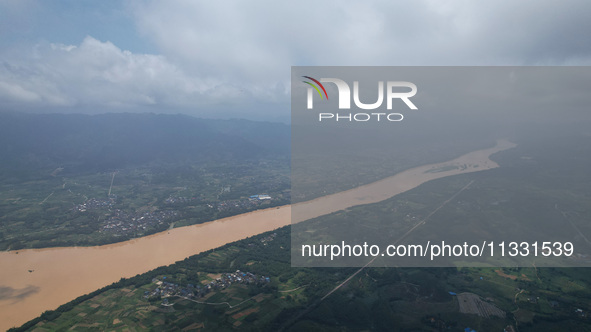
[{"x": 61, "y": 274}]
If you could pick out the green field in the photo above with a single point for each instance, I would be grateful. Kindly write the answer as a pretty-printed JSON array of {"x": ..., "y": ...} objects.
[
  {"x": 540, "y": 182},
  {"x": 382, "y": 299},
  {"x": 46, "y": 212}
]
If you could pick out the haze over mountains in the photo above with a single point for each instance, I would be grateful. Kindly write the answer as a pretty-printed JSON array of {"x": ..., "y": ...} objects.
[{"x": 81, "y": 143}]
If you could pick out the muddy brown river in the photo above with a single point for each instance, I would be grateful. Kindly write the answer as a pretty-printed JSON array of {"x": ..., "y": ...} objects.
[{"x": 61, "y": 274}]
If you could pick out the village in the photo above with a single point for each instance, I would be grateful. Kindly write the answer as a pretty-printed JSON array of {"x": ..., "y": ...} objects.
[
  {"x": 167, "y": 289},
  {"x": 246, "y": 203},
  {"x": 179, "y": 200},
  {"x": 94, "y": 204},
  {"x": 121, "y": 222}
]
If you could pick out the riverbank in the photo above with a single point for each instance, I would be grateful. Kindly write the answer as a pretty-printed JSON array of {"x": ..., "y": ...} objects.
[{"x": 35, "y": 280}]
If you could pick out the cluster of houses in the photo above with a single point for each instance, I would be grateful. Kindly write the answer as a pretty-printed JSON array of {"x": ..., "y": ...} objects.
[
  {"x": 166, "y": 289},
  {"x": 259, "y": 197},
  {"x": 94, "y": 204},
  {"x": 179, "y": 200},
  {"x": 122, "y": 222},
  {"x": 268, "y": 238},
  {"x": 251, "y": 203},
  {"x": 228, "y": 205}
]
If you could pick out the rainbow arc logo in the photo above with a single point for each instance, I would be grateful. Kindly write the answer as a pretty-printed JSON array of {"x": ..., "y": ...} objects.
[{"x": 316, "y": 87}]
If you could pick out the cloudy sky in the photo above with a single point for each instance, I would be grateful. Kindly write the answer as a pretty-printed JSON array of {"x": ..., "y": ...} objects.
[{"x": 232, "y": 58}]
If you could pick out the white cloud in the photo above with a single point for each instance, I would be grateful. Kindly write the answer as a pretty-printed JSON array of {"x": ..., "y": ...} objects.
[
  {"x": 253, "y": 43},
  {"x": 261, "y": 39},
  {"x": 17, "y": 93},
  {"x": 237, "y": 55},
  {"x": 101, "y": 75}
]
